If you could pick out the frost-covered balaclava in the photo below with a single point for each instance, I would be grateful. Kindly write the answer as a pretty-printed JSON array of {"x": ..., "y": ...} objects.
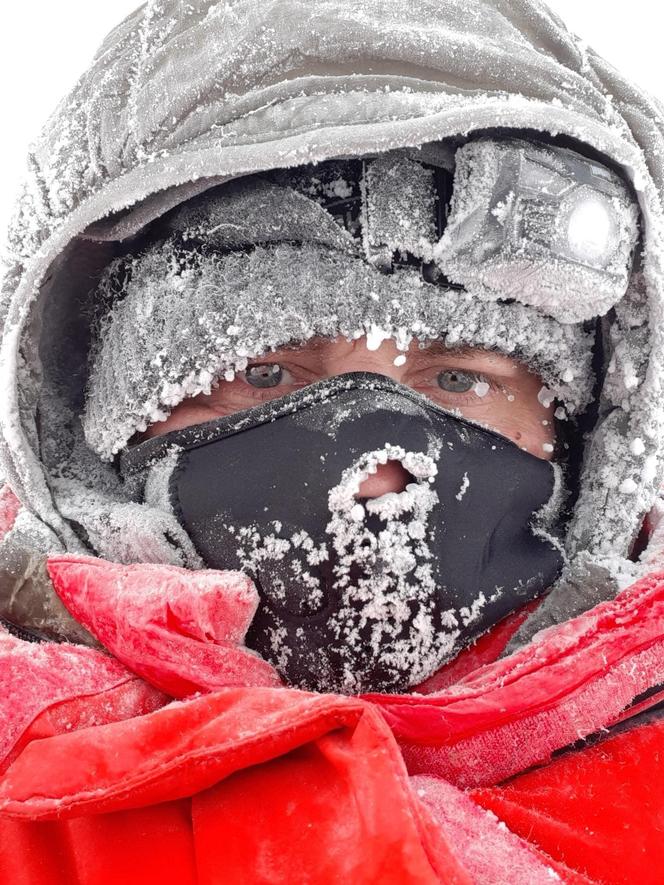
[{"x": 535, "y": 242}]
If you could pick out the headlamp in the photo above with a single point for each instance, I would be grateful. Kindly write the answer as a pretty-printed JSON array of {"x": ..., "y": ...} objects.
[
  {"x": 540, "y": 224},
  {"x": 505, "y": 219}
]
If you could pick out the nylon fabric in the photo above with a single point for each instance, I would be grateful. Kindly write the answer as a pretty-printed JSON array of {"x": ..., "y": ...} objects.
[
  {"x": 209, "y": 749},
  {"x": 586, "y": 803}
]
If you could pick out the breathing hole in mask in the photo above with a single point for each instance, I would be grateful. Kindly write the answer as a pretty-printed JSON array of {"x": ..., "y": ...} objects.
[{"x": 385, "y": 478}]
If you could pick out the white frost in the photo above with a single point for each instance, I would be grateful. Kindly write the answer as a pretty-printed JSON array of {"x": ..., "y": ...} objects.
[
  {"x": 545, "y": 397},
  {"x": 465, "y": 484}
]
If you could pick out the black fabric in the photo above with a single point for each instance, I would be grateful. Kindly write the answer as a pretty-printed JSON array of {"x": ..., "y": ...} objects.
[
  {"x": 269, "y": 471},
  {"x": 22, "y": 633}
]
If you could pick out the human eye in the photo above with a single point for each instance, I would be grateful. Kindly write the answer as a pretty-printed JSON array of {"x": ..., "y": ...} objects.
[
  {"x": 458, "y": 387},
  {"x": 457, "y": 380},
  {"x": 267, "y": 375}
]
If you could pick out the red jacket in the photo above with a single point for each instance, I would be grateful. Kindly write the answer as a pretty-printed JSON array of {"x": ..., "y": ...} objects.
[{"x": 180, "y": 758}]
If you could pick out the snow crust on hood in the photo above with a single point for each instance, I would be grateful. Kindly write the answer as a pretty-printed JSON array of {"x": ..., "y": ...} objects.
[{"x": 181, "y": 96}]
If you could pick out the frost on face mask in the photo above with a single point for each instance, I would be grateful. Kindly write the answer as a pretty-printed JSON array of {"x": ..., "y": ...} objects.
[
  {"x": 378, "y": 592},
  {"x": 388, "y": 618}
]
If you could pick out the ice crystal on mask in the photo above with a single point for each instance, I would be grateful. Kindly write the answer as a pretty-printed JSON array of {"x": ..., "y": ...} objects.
[{"x": 381, "y": 554}]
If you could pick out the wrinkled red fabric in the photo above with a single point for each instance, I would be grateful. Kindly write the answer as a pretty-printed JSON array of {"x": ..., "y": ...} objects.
[
  {"x": 491, "y": 853},
  {"x": 576, "y": 679},
  {"x": 603, "y": 807},
  {"x": 108, "y": 779},
  {"x": 280, "y": 784},
  {"x": 36, "y": 680},
  {"x": 181, "y": 630}
]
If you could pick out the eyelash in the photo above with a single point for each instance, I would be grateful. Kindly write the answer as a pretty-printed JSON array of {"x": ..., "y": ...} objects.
[{"x": 284, "y": 369}]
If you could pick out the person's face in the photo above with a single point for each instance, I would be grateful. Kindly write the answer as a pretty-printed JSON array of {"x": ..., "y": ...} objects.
[{"x": 490, "y": 388}]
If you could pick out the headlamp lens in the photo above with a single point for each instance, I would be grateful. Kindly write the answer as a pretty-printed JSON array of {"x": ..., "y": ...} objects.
[{"x": 592, "y": 231}]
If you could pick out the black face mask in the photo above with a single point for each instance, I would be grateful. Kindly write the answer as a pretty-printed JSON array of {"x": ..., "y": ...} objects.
[{"x": 373, "y": 594}]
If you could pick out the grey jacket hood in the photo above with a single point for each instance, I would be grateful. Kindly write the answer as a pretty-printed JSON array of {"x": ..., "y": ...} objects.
[{"x": 181, "y": 97}]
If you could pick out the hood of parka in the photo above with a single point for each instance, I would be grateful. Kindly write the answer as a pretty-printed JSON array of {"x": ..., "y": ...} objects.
[{"x": 183, "y": 96}]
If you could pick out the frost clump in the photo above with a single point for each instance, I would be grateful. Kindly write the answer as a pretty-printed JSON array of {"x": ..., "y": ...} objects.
[
  {"x": 375, "y": 619},
  {"x": 628, "y": 486},
  {"x": 465, "y": 485},
  {"x": 545, "y": 397}
]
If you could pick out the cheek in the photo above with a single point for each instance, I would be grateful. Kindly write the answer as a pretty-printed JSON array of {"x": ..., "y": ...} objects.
[
  {"x": 228, "y": 397},
  {"x": 526, "y": 422},
  {"x": 193, "y": 411},
  {"x": 535, "y": 436}
]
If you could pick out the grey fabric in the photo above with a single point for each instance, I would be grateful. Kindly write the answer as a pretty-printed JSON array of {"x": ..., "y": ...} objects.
[
  {"x": 125, "y": 224},
  {"x": 251, "y": 212},
  {"x": 27, "y": 597},
  {"x": 178, "y": 93},
  {"x": 585, "y": 583}
]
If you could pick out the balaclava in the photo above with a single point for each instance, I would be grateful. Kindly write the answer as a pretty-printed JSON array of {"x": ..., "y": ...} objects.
[{"x": 374, "y": 595}]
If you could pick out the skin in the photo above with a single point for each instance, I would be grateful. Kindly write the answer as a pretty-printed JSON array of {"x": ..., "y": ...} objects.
[{"x": 498, "y": 391}]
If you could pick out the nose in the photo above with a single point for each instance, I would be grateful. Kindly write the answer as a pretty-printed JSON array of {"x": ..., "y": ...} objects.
[{"x": 390, "y": 477}]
